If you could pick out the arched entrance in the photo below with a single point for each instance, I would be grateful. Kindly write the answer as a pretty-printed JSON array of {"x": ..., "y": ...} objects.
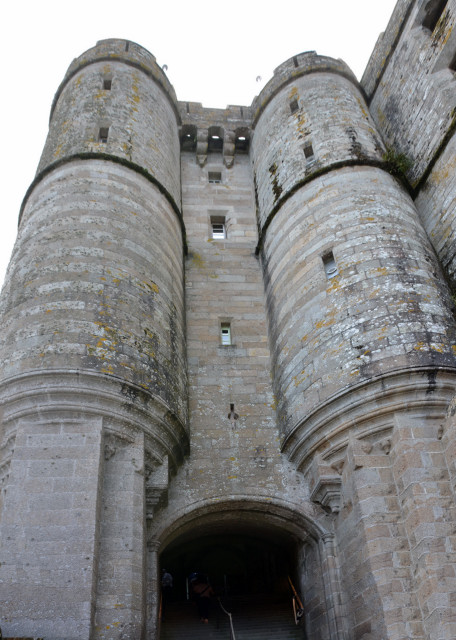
[{"x": 249, "y": 550}]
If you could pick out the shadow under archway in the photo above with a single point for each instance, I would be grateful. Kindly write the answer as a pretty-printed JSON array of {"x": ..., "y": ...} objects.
[
  {"x": 237, "y": 562},
  {"x": 248, "y": 548}
]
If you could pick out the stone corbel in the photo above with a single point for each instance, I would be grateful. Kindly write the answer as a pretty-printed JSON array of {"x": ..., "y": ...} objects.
[
  {"x": 326, "y": 484},
  {"x": 228, "y": 149},
  {"x": 327, "y": 492},
  {"x": 157, "y": 481},
  {"x": 201, "y": 146}
]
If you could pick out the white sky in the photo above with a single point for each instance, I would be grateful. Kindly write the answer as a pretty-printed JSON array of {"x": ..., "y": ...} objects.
[{"x": 214, "y": 52}]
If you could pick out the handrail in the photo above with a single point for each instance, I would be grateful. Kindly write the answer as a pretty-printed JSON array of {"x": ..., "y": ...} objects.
[
  {"x": 232, "y": 636},
  {"x": 298, "y": 611}
]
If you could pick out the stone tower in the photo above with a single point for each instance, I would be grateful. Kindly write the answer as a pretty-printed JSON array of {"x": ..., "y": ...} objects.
[
  {"x": 229, "y": 346},
  {"x": 94, "y": 374}
]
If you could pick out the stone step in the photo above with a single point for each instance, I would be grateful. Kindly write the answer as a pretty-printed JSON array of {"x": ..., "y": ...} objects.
[{"x": 265, "y": 618}]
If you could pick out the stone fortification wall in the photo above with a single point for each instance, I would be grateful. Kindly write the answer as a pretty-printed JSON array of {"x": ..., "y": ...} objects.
[
  {"x": 385, "y": 46},
  {"x": 414, "y": 102},
  {"x": 116, "y": 306},
  {"x": 343, "y": 457},
  {"x": 412, "y": 96}
]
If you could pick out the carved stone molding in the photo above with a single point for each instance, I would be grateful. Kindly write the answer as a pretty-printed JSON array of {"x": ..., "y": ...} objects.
[
  {"x": 124, "y": 408},
  {"x": 369, "y": 409}
]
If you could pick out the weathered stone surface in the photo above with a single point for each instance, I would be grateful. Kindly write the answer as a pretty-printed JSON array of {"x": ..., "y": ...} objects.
[{"x": 244, "y": 344}]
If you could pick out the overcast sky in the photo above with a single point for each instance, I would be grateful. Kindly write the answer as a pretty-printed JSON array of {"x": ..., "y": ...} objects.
[{"x": 214, "y": 52}]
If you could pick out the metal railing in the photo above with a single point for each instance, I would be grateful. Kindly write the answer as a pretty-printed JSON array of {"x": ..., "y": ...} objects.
[{"x": 230, "y": 617}]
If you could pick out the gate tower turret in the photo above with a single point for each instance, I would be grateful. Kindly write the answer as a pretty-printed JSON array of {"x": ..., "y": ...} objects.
[
  {"x": 93, "y": 347},
  {"x": 354, "y": 292}
]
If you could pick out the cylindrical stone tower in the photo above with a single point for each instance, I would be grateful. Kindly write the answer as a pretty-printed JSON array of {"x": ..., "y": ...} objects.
[
  {"x": 354, "y": 292},
  {"x": 93, "y": 375}
]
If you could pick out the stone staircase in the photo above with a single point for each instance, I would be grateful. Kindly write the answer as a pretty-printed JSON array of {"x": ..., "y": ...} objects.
[{"x": 254, "y": 618}]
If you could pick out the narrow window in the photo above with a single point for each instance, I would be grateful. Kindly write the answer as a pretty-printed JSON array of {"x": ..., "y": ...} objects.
[
  {"x": 330, "y": 265},
  {"x": 294, "y": 106},
  {"x": 308, "y": 152},
  {"x": 103, "y": 135},
  {"x": 218, "y": 230},
  {"x": 215, "y": 177},
  {"x": 107, "y": 83},
  {"x": 434, "y": 10},
  {"x": 225, "y": 333}
]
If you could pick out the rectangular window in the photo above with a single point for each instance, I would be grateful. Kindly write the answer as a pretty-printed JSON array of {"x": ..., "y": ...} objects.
[
  {"x": 215, "y": 177},
  {"x": 308, "y": 152},
  {"x": 241, "y": 144},
  {"x": 218, "y": 227},
  {"x": 103, "y": 135},
  {"x": 107, "y": 83},
  {"x": 434, "y": 10},
  {"x": 294, "y": 106},
  {"x": 218, "y": 231},
  {"x": 225, "y": 333},
  {"x": 330, "y": 265}
]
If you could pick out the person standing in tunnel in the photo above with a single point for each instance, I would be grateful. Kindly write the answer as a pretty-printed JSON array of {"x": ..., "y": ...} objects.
[
  {"x": 202, "y": 591},
  {"x": 167, "y": 587}
]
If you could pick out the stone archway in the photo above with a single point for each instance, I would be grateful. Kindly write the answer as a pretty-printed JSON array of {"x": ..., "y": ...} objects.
[{"x": 266, "y": 542}]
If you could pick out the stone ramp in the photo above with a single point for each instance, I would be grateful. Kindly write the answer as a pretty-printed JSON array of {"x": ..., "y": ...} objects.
[{"x": 254, "y": 618}]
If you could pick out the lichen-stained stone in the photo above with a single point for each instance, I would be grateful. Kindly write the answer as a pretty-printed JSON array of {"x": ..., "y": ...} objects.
[
  {"x": 329, "y": 331},
  {"x": 228, "y": 345}
]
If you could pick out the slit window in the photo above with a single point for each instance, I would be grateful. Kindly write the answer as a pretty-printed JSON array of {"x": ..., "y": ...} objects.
[
  {"x": 434, "y": 11},
  {"x": 308, "y": 152},
  {"x": 107, "y": 84},
  {"x": 225, "y": 334},
  {"x": 215, "y": 177},
  {"x": 330, "y": 265},
  {"x": 103, "y": 134},
  {"x": 294, "y": 106}
]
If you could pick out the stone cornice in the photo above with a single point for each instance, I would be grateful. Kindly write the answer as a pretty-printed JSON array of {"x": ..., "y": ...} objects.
[
  {"x": 369, "y": 408},
  {"x": 74, "y": 394}
]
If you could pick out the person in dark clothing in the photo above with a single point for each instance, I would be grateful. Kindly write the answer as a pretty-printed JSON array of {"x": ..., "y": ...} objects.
[
  {"x": 202, "y": 591},
  {"x": 167, "y": 587}
]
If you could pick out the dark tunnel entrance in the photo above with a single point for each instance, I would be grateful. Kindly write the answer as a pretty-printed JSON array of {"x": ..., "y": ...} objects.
[
  {"x": 236, "y": 564},
  {"x": 248, "y": 567}
]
